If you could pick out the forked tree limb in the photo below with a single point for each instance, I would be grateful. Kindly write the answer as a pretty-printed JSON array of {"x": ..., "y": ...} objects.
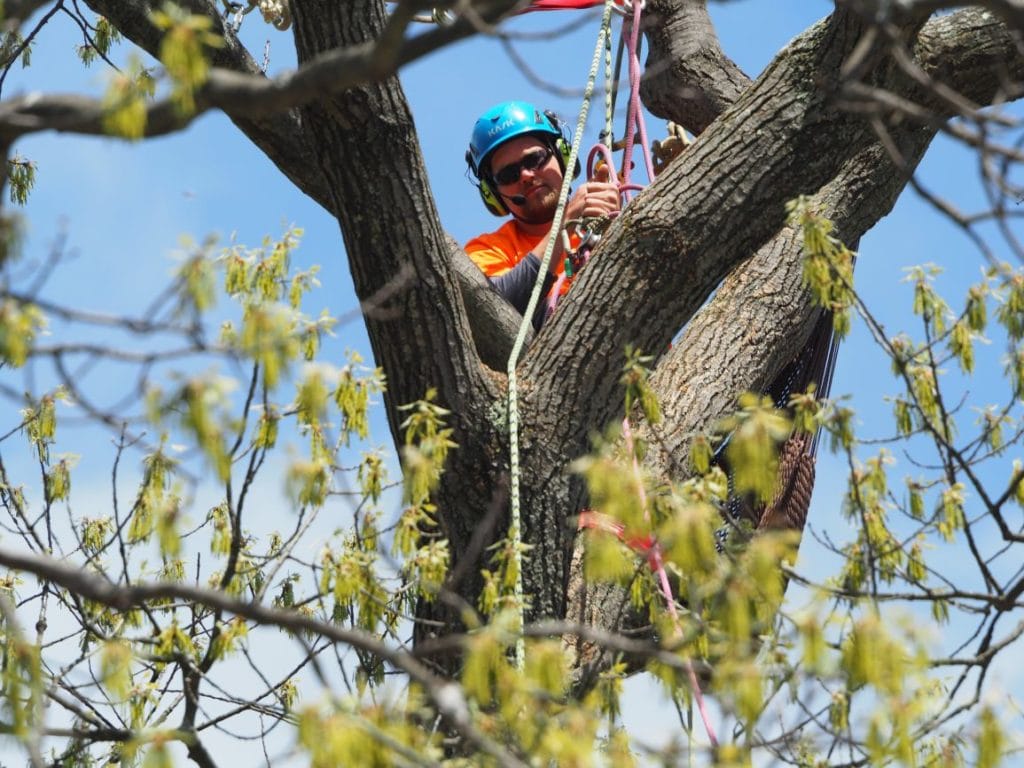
[{"x": 688, "y": 79}]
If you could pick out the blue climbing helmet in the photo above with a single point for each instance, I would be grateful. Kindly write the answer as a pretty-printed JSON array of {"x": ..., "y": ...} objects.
[
  {"x": 503, "y": 122},
  {"x": 506, "y": 121}
]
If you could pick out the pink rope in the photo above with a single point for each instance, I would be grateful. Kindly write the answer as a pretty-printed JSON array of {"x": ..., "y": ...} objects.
[
  {"x": 657, "y": 565},
  {"x": 606, "y": 156},
  {"x": 634, "y": 114},
  {"x": 605, "y": 153}
]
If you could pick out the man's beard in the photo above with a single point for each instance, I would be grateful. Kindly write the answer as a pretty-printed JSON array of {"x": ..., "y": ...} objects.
[{"x": 539, "y": 208}]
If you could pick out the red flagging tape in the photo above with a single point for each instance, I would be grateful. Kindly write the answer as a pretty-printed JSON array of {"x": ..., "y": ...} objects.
[{"x": 565, "y": 5}]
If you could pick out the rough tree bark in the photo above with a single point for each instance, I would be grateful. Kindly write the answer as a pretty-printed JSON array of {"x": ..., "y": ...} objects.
[{"x": 717, "y": 214}]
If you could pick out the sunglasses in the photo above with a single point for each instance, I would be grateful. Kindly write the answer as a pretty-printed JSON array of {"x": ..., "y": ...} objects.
[{"x": 532, "y": 161}]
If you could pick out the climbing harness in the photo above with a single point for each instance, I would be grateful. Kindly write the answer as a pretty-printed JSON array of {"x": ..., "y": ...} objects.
[{"x": 579, "y": 238}]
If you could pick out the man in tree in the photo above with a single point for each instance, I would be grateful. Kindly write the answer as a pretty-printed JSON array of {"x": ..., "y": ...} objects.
[
  {"x": 843, "y": 114},
  {"x": 518, "y": 155}
]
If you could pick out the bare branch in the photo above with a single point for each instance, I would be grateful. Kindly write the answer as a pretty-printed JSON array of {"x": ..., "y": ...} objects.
[{"x": 447, "y": 697}]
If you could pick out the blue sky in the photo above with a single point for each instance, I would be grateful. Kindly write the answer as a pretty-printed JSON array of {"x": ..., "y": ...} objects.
[{"x": 124, "y": 206}]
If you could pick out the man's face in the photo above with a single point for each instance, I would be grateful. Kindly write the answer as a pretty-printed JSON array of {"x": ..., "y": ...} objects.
[{"x": 539, "y": 187}]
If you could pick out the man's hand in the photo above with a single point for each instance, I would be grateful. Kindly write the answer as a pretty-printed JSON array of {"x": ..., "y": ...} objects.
[{"x": 596, "y": 197}]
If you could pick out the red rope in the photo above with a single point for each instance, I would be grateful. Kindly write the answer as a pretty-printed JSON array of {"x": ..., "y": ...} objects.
[
  {"x": 564, "y": 5},
  {"x": 648, "y": 546}
]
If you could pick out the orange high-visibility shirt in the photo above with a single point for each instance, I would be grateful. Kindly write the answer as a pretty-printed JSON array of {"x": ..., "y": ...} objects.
[{"x": 499, "y": 251}]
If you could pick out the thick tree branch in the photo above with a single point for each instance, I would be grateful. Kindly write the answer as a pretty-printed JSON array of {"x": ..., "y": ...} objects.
[
  {"x": 715, "y": 205},
  {"x": 19, "y": 11},
  {"x": 1011, "y": 11},
  {"x": 368, "y": 153},
  {"x": 761, "y": 316},
  {"x": 719, "y": 202},
  {"x": 655, "y": 266},
  {"x": 254, "y": 103},
  {"x": 687, "y": 77},
  {"x": 15, "y": 14},
  {"x": 280, "y": 135},
  {"x": 391, "y": 225},
  {"x": 493, "y": 321},
  {"x": 695, "y": 391}
]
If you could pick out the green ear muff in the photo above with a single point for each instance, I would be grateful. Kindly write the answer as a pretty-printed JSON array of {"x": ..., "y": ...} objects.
[
  {"x": 562, "y": 144},
  {"x": 564, "y": 149},
  {"x": 491, "y": 199}
]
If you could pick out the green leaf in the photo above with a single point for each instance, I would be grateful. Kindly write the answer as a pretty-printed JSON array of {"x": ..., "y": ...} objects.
[
  {"x": 19, "y": 324},
  {"x": 991, "y": 739},
  {"x": 183, "y": 51},
  {"x": 115, "y": 668}
]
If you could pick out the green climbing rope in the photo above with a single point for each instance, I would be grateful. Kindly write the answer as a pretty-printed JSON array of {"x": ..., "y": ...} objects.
[{"x": 515, "y": 529}]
